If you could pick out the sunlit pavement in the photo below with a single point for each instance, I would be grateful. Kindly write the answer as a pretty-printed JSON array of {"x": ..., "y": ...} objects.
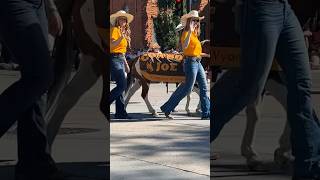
[{"x": 146, "y": 148}]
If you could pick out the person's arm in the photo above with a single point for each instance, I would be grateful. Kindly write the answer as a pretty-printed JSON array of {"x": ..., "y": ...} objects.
[
  {"x": 186, "y": 41},
  {"x": 126, "y": 66},
  {"x": 205, "y": 55},
  {"x": 114, "y": 42},
  {"x": 55, "y": 23}
]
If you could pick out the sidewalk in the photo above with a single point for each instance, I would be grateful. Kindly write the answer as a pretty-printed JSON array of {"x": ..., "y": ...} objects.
[{"x": 147, "y": 148}]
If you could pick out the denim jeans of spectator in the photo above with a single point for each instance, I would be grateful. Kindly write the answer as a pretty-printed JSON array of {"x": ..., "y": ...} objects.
[
  {"x": 23, "y": 29},
  {"x": 118, "y": 75},
  {"x": 269, "y": 28},
  {"x": 194, "y": 72}
]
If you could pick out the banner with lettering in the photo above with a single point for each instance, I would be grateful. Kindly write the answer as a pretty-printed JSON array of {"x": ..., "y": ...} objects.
[{"x": 162, "y": 67}]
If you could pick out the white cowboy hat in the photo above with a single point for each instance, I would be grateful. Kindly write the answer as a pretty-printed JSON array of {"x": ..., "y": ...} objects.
[
  {"x": 120, "y": 13},
  {"x": 191, "y": 14}
]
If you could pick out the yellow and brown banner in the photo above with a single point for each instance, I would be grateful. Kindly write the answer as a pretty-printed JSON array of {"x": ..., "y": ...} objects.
[{"x": 162, "y": 67}]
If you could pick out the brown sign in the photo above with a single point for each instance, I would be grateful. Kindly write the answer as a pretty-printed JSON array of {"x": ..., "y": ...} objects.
[
  {"x": 162, "y": 67},
  {"x": 229, "y": 57}
]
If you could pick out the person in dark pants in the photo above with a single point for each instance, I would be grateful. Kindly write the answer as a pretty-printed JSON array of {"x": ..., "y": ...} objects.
[
  {"x": 270, "y": 28},
  {"x": 120, "y": 40},
  {"x": 24, "y": 30}
]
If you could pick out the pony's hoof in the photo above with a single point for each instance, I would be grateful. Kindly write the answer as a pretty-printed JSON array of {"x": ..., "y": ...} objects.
[
  {"x": 155, "y": 114},
  {"x": 254, "y": 163},
  {"x": 215, "y": 156},
  {"x": 282, "y": 159}
]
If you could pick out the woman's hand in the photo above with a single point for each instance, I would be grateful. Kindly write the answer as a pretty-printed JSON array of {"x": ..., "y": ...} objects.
[
  {"x": 55, "y": 24},
  {"x": 205, "y": 55},
  {"x": 307, "y": 33},
  {"x": 192, "y": 26},
  {"x": 126, "y": 67}
]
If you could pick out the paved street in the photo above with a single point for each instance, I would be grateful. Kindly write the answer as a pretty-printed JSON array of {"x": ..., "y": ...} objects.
[
  {"x": 81, "y": 147},
  {"x": 147, "y": 148}
]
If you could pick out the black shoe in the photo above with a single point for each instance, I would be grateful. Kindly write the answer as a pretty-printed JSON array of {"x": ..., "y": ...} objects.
[
  {"x": 122, "y": 117},
  {"x": 168, "y": 116},
  {"x": 58, "y": 175},
  {"x": 205, "y": 117},
  {"x": 314, "y": 173}
]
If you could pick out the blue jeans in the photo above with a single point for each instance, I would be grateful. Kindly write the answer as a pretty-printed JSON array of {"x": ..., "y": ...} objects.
[
  {"x": 118, "y": 74},
  {"x": 269, "y": 29},
  {"x": 23, "y": 29},
  {"x": 194, "y": 72}
]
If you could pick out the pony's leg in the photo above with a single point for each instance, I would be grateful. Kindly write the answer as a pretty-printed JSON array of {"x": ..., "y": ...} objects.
[
  {"x": 85, "y": 78},
  {"x": 279, "y": 91},
  {"x": 144, "y": 95},
  {"x": 131, "y": 91},
  {"x": 188, "y": 104},
  {"x": 197, "y": 90},
  {"x": 247, "y": 150}
]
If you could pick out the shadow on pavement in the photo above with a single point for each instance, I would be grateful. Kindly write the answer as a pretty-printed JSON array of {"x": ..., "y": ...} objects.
[
  {"x": 240, "y": 170},
  {"x": 138, "y": 117},
  {"x": 72, "y": 170},
  {"x": 172, "y": 140}
]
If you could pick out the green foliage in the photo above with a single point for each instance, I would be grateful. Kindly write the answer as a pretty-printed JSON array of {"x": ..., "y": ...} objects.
[
  {"x": 166, "y": 4},
  {"x": 165, "y": 25}
]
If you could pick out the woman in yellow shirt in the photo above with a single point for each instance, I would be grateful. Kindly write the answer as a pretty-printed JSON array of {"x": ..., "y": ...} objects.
[
  {"x": 193, "y": 69},
  {"x": 119, "y": 42}
]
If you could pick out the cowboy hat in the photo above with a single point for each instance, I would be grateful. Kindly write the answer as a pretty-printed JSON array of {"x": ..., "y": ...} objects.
[
  {"x": 191, "y": 14},
  {"x": 121, "y": 13}
]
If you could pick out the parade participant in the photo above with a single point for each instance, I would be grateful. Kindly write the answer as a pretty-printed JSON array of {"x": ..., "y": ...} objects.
[
  {"x": 270, "y": 28},
  {"x": 193, "y": 69},
  {"x": 24, "y": 30},
  {"x": 119, "y": 42}
]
